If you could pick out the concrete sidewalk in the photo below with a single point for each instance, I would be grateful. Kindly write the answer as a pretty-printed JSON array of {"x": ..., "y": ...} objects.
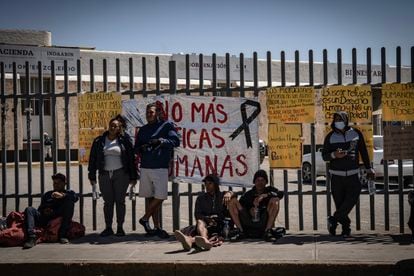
[{"x": 294, "y": 254}]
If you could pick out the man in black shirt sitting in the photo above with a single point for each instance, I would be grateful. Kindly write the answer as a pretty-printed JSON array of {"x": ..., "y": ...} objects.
[
  {"x": 56, "y": 203},
  {"x": 255, "y": 213}
]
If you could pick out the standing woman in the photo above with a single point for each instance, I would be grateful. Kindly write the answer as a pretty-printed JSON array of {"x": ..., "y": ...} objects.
[{"x": 112, "y": 155}]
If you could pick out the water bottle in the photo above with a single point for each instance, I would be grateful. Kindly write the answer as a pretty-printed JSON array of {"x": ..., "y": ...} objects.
[
  {"x": 95, "y": 193},
  {"x": 132, "y": 192},
  {"x": 371, "y": 186},
  {"x": 256, "y": 216},
  {"x": 226, "y": 228}
]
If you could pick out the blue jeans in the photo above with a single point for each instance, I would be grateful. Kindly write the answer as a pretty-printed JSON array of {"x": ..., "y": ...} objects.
[{"x": 33, "y": 218}]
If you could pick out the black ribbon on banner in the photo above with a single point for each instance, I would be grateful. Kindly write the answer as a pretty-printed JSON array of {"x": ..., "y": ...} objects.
[{"x": 246, "y": 121}]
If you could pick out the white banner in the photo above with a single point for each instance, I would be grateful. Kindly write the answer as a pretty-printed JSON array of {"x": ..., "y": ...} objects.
[
  {"x": 21, "y": 54},
  {"x": 208, "y": 67},
  {"x": 217, "y": 135}
]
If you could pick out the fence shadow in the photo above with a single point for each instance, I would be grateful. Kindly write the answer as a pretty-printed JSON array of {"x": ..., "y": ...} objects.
[{"x": 95, "y": 239}]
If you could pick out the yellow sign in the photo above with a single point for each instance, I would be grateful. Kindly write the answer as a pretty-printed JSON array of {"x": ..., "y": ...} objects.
[
  {"x": 291, "y": 104},
  {"x": 285, "y": 146},
  {"x": 95, "y": 111},
  {"x": 356, "y": 100},
  {"x": 397, "y": 102},
  {"x": 367, "y": 131}
]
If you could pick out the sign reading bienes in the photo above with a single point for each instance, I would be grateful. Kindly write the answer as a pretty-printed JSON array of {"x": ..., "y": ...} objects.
[
  {"x": 208, "y": 67},
  {"x": 21, "y": 54}
]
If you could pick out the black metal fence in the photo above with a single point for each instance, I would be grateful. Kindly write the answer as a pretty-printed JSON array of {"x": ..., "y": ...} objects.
[{"x": 40, "y": 97}]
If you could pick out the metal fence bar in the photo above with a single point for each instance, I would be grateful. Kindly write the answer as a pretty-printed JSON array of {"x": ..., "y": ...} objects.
[
  {"x": 80, "y": 166},
  {"x": 53, "y": 117},
  {"x": 3, "y": 139},
  {"x": 325, "y": 83},
  {"x": 28, "y": 112},
  {"x": 144, "y": 77},
  {"x": 386, "y": 180},
  {"x": 67, "y": 122},
  {"x": 201, "y": 74},
  {"x": 41, "y": 126},
  {"x": 371, "y": 197},
  {"x": 214, "y": 82},
  {"x": 242, "y": 91},
  {"x": 105, "y": 75},
  {"x": 157, "y": 76},
  {"x": 400, "y": 164},
  {"x": 118, "y": 75},
  {"x": 354, "y": 82},
  {"x": 269, "y": 84},
  {"x": 131, "y": 77},
  {"x": 228, "y": 84},
  {"x": 16, "y": 139},
  {"x": 91, "y": 90},
  {"x": 313, "y": 157}
]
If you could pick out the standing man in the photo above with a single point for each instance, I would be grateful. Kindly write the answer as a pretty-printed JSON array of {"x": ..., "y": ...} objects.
[
  {"x": 155, "y": 143},
  {"x": 255, "y": 213},
  {"x": 56, "y": 203},
  {"x": 341, "y": 148}
]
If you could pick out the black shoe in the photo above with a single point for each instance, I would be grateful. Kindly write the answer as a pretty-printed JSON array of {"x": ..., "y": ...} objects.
[
  {"x": 64, "y": 240},
  {"x": 237, "y": 235},
  {"x": 29, "y": 243},
  {"x": 346, "y": 232},
  {"x": 120, "y": 232},
  {"x": 161, "y": 233},
  {"x": 107, "y": 232},
  {"x": 332, "y": 224},
  {"x": 268, "y": 235},
  {"x": 146, "y": 225},
  {"x": 278, "y": 232}
]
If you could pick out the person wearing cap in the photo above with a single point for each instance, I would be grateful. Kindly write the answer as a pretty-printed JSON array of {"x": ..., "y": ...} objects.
[
  {"x": 255, "y": 213},
  {"x": 155, "y": 143},
  {"x": 210, "y": 211},
  {"x": 112, "y": 155},
  {"x": 56, "y": 203},
  {"x": 341, "y": 148}
]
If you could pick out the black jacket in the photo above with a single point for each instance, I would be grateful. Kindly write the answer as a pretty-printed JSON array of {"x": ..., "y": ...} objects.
[
  {"x": 247, "y": 199},
  {"x": 55, "y": 204},
  {"x": 97, "y": 158},
  {"x": 207, "y": 205}
]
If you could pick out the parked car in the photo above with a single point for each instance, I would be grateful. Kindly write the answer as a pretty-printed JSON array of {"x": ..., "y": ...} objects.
[{"x": 378, "y": 164}]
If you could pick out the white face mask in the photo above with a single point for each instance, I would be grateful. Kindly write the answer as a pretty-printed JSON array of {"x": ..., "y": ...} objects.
[{"x": 340, "y": 125}]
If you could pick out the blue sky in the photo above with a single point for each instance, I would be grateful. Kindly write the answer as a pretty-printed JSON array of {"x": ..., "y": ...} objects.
[{"x": 211, "y": 26}]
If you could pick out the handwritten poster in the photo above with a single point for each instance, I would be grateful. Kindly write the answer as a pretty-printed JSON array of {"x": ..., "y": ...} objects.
[
  {"x": 398, "y": 142},
  {"x": 217, "y": 135},
  {"x": 291, "y": 104},
  {"x": 95, "y": 111},
  {"x": 397, "y": 102},
  {"x": 285, "y": 146},
  {"x": 356, "y": 100}
]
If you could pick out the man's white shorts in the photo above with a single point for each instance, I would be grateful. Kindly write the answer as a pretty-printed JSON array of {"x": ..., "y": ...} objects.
[{"x": 154, "y": 183}]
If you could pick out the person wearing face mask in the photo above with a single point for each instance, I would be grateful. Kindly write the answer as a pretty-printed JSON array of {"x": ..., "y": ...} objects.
[{"x": 341, "y": 148}]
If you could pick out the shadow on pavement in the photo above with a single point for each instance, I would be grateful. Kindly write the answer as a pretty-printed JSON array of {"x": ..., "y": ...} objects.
[{"x": 129, "y": 238}]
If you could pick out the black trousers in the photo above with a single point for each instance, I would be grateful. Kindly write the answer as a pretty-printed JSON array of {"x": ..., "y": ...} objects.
[
  {"x": 114, "y": 188},
  {"x": 345, "y": 192},
  {"x": 33, "y": 218}
]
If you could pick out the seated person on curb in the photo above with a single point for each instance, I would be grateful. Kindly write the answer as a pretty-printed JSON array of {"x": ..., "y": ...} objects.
[
  {"x": 255, "y": 213},
  {"x": 56, "y": 203},
  {"x": 210, "y": 211}
]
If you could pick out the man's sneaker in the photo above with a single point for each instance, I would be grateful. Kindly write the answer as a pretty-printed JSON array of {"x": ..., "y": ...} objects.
[
  {"x": 346, "y": 232},
  {"x": 120, "y": 232},
  {"x": 237, "y": 235},
  {"x": 185, "y": 240},
  {"x": 107, "y": 232},
  {"x": 64, "y": 240},
  {"x": 268, "y": 235},
  {"x": 29, "y": 243},
  {"x": 146, "y": 225},
  {"x": 203, "y": 243},
  {"x": 332, "y": 224},
  {"x": 161, "y": 233},
  {"x": 278, "y": 232}
]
